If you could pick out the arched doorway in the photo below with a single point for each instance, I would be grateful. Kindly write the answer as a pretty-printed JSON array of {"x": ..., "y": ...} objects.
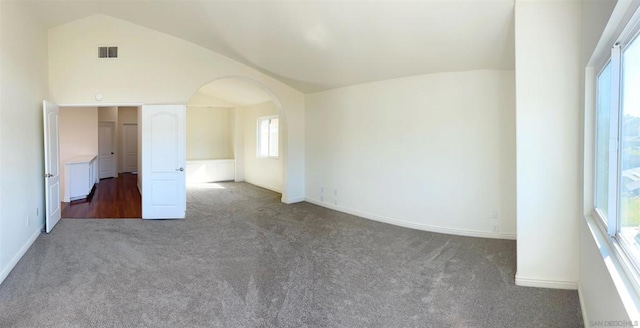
[{"x": 236, "y": 130}]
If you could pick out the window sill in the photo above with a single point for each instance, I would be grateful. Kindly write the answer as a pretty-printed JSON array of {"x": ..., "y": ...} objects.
[{"x": 622, "y": 272}]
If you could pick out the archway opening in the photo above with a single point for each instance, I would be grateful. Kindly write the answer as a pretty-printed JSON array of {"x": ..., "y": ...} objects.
[{"x": 235, "y": 132}]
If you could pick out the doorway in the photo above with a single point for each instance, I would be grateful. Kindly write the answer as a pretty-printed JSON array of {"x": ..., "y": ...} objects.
[
  {"x": 108, "y": 134},
  {"x": 225, "y": 137}
]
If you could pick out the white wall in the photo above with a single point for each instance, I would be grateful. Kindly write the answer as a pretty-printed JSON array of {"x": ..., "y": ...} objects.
[
  {"x": 203, "y": 99},
  {"x": 23, "y": 67},
  {"x": 238, "y": 140},
  {"x": 125, "y": 115},
  {"x": 78, "y": 134},
  {"x": 157, "y": 68},
  {"x": 263, "y": 172},
  {"x": 548, "y": 80},
  {"x": 433, "y": 152},
  {"x": 209, "y": 134}
]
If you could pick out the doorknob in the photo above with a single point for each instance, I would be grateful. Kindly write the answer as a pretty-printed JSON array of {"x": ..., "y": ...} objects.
[
  {"x": 111, "y": 153},
  {"x": 180, "y": 169},
  {"x": 47, "y": 175}
]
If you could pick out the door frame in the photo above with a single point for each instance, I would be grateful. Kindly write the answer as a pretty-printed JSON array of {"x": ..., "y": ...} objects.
[
  {"x": 114, "y": 147},
  {"x": 140, "y": 126},
  {"x": 97, "y": 105}
]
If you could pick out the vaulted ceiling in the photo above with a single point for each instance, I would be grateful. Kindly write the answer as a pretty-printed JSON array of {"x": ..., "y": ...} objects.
[{"x": 315, "y": 46}]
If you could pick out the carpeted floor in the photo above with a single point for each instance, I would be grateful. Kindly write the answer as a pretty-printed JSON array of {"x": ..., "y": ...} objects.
[{"x": 243, "y": 259}]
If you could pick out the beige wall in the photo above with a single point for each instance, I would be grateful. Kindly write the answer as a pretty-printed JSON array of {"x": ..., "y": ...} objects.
[
  {"x": 263, "y": 172},
  {"x": 200, "y": 99},
  {"x": 209, "y": 133},
  {"x": 23, "y": 86},
  {"x": 108, "y": 114},
  {"x": 78, "y": 135}
]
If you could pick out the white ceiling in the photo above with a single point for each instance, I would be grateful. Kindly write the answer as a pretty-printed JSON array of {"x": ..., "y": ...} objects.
[{"x": 314, "y": 46}]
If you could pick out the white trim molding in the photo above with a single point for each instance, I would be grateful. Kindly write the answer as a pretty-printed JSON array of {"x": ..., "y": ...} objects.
[
  {"x": 545, "y": 283},
  {"x": 417, "y": 226},
  {"x": 293, "y": 200},
  {"x": 14, "y": 261},
  {"x": 99, "y": 104},
  {"x": 583, "y": 307}
]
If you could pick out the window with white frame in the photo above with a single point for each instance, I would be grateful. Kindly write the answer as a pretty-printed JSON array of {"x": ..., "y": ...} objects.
[
  {"x": 267, "y": 143},
  {"x": 617, "y": 143}
]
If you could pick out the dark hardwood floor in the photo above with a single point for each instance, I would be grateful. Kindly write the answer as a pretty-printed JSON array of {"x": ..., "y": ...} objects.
[{"x": 115, "y": 198}]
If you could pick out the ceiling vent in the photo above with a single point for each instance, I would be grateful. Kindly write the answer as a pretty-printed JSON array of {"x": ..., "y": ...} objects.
[{"x": 108, "y": 52}]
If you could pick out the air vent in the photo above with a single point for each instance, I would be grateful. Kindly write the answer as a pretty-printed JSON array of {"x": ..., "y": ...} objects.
[{"x": 108, "y": 52}]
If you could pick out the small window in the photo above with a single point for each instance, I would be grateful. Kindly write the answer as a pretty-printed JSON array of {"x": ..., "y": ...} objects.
[
  {"x": 267, "y": 133},
  {"x": 108, "y": 52}
]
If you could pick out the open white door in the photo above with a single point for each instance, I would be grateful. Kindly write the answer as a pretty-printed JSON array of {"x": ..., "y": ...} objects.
[
  {"x": 51, "y": 165},
  {"x": 163, "y": 161}
]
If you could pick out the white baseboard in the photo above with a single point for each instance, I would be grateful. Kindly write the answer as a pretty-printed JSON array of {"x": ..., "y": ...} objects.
[
  {"x": 293, "y": 200},
  {"x": 545, "y": 283},
  {"x": 5, "y": 271},
  {"x": 418, "y": 226},
  {"x": 583, "y": 308}
]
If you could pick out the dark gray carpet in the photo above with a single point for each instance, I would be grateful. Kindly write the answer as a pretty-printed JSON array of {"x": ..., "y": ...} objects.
[{"x": 243, "y": 259}]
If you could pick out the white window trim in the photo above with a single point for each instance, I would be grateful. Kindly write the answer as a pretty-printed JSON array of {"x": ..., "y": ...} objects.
[
  {"x": 614, "y": 142},
  {"x": 623, "y": 267},
  {"x": 258, "y": 139}
]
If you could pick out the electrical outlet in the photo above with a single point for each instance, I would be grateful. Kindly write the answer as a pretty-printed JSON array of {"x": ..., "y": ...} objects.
[
  {"x": 494, "y": 225},
  {"x": 37, "y": 211},
  {"x": 494, "y": 214},
  {"x": 28, "y": 223},
  {"x": 335, "y": 196}
]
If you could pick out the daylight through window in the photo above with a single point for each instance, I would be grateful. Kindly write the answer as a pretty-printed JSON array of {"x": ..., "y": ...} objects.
[
  {"x": 268, "y": 136},
  {"x": 617, "y": 145}
]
